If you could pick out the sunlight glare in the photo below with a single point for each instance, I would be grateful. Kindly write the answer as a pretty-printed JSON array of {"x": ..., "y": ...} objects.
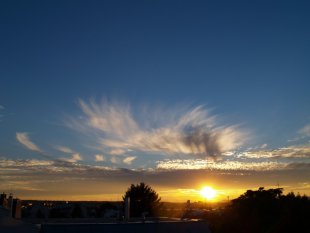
[{"x": 208, "y": 192}]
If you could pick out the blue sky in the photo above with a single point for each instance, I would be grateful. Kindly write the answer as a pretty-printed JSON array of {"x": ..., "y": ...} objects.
[{"x": 237, "y": 71}]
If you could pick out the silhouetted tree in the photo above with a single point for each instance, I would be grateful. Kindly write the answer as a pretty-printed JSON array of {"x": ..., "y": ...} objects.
[
  {"x": 142, "y": 199},
  {"x": 264, "y": 211}
]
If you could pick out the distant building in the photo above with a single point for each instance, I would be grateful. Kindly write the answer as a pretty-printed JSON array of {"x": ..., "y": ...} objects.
[
  {"x": 17, "y": 208},
  {"x": 12, "y": 205},
  {"x": 3, "y": 200}
]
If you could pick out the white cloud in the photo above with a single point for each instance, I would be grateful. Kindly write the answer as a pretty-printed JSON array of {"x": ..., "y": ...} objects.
[
  {"x": 70, "y": 179},
  {"x": 305, "y": 131},
  {"x": 109, "y": 118},
  {"x": 129, "y": 160},
  {"x": 191, "y": 132},
  {"x": 199, "y": 164},
  {"x": 24, "y": 140},
  {"x": 51, "y": 168},
  {"x": 1, "y": 107},
  {"x": 99, "y": 158},
  {"x": 24, "y": 163},
  {"x": 74, "y": 158},
  {"x": 117, "y": 152},
  {"x": 301, "y": 151},
  {"x": 65, "y": 149},
  {"x": 263, "y": 146}
]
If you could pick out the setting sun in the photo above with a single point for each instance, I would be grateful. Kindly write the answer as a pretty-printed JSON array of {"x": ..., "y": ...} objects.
[{"x": 208, "y": 192}]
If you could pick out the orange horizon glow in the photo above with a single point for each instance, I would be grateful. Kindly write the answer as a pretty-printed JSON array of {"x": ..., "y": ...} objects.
[
  {"x": 198, "y": 194},
  {"x": 171, "y": 195}
]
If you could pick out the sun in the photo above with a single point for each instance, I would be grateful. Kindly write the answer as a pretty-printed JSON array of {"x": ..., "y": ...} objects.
[{"x": 208, "y": 192}]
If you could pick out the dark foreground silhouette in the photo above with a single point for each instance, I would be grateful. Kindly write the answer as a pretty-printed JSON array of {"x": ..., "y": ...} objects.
[
  {"x": 258, "y": 211},
  {"x": 143, "y": 200},
  {"x": 263, "y": 211}
]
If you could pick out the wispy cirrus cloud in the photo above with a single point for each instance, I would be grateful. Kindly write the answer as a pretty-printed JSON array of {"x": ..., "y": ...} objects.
[
  {"x": 65, "y": 149},
  {"x": 75, "y": 156},
  {"x": 24, "y": 139},
  {"x": 263, "y": 146},
  {"x": 128, "y": 160},
  {"x": 305, "y": 131},
  {"x": 192, "y": 132}
]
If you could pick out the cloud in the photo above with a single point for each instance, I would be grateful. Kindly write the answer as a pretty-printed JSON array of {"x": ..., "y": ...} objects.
[
  {"x": 129, "y": 160},
  {"x": 305, "y": 131},
  {"x": 114, "y": 160},
  {"x": 74, "y": 158},
  {"x": 115, "y": 119},
  {"x": 199, "y": 164},
  {"x": 99, "y": 158},
  {"x": 64, "y": 149},
  {"x": 58, "y": 179},
  {"x": 182, "y": 132},
  {"x": 263, "y": 146},
  {"x": 24, "y": 140},
  {"x": 297, "y": 151},
  {"x": 1, "y": 107},
  {"x": 22, "y": 169},
  {"x": 117, "y": 152},
  {"x": 19, "y": 163}
]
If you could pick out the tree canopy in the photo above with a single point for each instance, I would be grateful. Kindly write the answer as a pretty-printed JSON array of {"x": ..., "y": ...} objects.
[
  {"x": 143, "y": 199},
  {"x": 264, "y": 210}
]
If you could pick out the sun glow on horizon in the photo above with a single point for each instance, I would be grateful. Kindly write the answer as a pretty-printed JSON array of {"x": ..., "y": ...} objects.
[{"x": 208, "y": 193}]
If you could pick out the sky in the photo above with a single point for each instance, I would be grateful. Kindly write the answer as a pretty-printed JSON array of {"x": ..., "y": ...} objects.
[{"x": 97, "y": 95}]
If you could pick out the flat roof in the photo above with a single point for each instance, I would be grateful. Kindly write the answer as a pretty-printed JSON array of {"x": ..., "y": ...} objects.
[{"x": 128, "y": 227}]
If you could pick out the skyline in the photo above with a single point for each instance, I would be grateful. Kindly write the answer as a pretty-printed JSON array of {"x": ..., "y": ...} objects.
[{"x": 179, "y": 95}]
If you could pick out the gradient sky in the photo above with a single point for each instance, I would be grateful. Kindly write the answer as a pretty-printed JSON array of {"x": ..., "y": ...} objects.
[{"x": 96, "y": 95}]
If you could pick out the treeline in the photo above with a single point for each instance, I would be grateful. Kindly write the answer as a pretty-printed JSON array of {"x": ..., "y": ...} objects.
[{"x": 263, "y": 211}]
